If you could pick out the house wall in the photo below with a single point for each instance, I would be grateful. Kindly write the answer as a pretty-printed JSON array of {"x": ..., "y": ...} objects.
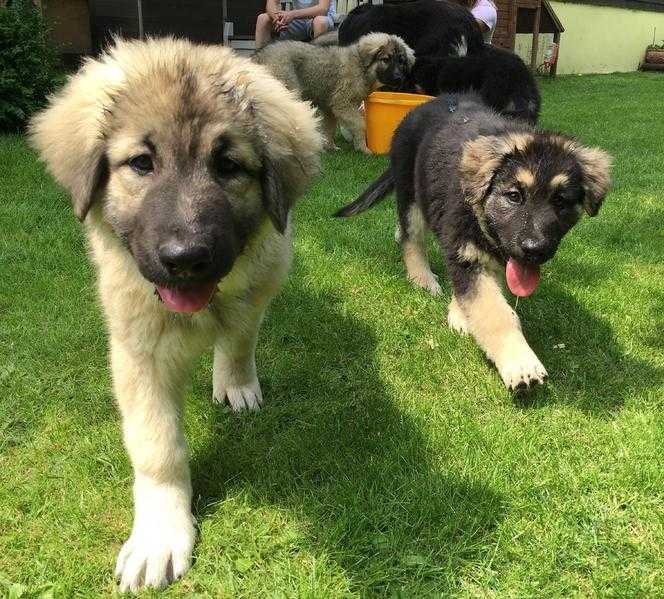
[{"x": 603, "y": 39}]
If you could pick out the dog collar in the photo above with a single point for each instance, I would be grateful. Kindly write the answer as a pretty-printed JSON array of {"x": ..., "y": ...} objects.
[{"x": 452, "y": 102}]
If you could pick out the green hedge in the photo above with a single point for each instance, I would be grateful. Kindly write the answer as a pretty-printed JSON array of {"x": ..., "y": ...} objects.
[{"x": 29, "y": 68}]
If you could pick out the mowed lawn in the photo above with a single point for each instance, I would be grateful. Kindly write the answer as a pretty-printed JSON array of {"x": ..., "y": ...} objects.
[{"x": 389, "y": 459}]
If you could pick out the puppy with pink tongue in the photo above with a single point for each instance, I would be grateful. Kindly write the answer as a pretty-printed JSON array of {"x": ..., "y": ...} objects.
[
  {"x": 499, "y": 194},
  {"x": 183, "y": 161}
]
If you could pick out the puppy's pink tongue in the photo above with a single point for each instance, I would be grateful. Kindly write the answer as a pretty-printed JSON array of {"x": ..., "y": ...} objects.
[
  {"x": 522, "y": 280},
  {"x": 191, "y": 299}
]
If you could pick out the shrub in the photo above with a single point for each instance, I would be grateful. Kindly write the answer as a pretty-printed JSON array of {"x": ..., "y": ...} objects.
[{"x": 29, "y": 68}]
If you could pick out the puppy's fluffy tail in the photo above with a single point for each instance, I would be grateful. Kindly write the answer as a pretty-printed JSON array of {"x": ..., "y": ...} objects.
[{"x": 374, "y": 194}]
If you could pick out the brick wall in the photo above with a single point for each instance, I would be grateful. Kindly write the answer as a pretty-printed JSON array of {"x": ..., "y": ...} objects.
[{"x": 503, "y": 36}]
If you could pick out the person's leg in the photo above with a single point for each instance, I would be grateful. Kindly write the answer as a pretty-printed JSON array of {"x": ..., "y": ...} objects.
[
  {"x": 263, "y": 30},
  {"x": 321, "y": 25}
]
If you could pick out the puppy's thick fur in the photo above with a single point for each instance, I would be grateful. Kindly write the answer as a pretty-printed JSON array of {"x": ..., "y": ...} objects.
[
  {"x": 450, "y": 54},
  {"x": 168, "y": 148},
  {"x": 337, "y": 80},
  {"x": 496, "y": 192},
  {"x": 501, "y": 78}
]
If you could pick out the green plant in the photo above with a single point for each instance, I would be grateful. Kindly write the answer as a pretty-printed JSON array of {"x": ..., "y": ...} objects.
[
  {"x": 29, "y": 68},
  {"x": 656, "y": 46}
]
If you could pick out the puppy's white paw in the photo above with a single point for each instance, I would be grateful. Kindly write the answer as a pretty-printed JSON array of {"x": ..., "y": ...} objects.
[
  {"x": 521, "y": 369},
  {"x": 364, "y": 149},
  {"x": 240, "y": 397},
  {"x": 158, "y": 551},
  {"x": 456, "y": 319},
  {"x": 427, "y": 281}
]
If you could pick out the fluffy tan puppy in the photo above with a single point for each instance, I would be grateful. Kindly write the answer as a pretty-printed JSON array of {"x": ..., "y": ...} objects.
[
  {"x": 337, "y": 80},
  {"x": 182, "y": 162}
]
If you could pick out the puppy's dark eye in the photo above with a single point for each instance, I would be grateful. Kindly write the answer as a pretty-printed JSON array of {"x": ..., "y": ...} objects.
[
  {"x": 223, "y": 166},
  {"x": 559, "y": 200},
  {"x": 514, "y": 197},
  {"x": 141, "y": 164}
]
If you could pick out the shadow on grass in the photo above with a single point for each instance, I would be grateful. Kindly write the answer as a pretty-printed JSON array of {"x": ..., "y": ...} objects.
[
  {"x": 654, "y": 338},
  {"x": 332, "y": 447},
  {"x": 586, "y": 364},
  {"x": 592, "y": 371}
]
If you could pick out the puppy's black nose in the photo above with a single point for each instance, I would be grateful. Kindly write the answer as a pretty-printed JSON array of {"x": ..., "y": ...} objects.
[
  {"x": 185, "y": 259},
  {"x": 536, "y": 249}
]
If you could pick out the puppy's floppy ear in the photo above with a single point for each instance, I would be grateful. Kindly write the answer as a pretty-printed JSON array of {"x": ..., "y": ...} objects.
[
  {"x": 409, "y": 54},
  {"x": 370, "y": 45},
  {"x": 274, "y": 200},
  {"x": 596, "y": 167},
  {"x": 68, "y": 134},
  {"x": 480, "y": 159},
  {"x": 89, "y": 182}
]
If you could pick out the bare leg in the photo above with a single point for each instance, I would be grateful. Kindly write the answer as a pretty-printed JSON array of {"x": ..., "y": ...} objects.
[
  {"x": 320, "y": 26},
  {"x": 263, "y": 30}
]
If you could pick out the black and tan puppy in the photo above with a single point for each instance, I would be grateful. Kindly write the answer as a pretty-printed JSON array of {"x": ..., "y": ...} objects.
[{"x": 500, "y": 195}]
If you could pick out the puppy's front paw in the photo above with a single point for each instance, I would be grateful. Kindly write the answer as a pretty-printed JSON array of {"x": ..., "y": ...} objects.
[
  {"x": 240, "y": 397},
  {"x": 521, "y": 369},
  {"x": 456, "y": 319},
  {"x": 158, "y": 551},
  {"x": 426, "y": 280},
  {"x": 361, "y": 146}
]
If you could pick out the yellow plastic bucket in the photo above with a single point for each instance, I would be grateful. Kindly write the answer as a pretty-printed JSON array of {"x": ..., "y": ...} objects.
[{"x": 383, "y": 113}]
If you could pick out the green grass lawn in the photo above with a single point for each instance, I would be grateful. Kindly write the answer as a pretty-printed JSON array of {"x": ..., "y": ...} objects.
[{"x": 389, "y": 460}]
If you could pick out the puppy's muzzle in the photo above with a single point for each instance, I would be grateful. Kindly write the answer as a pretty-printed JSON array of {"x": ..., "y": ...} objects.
[
  {"x": 537, "y": 250},
  {"x": 186, "y": 260}
]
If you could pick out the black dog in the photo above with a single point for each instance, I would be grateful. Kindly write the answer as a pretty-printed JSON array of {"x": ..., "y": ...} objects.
[
  {"x": 501, "y": 78},
  {"x": 450, "y": 53},
  {"x": 429, "y": 27},
  {"x": 498, "y": 194}
]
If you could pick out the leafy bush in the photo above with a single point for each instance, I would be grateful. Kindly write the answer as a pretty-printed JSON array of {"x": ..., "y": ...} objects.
[{"x": 29, "y": 68}]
